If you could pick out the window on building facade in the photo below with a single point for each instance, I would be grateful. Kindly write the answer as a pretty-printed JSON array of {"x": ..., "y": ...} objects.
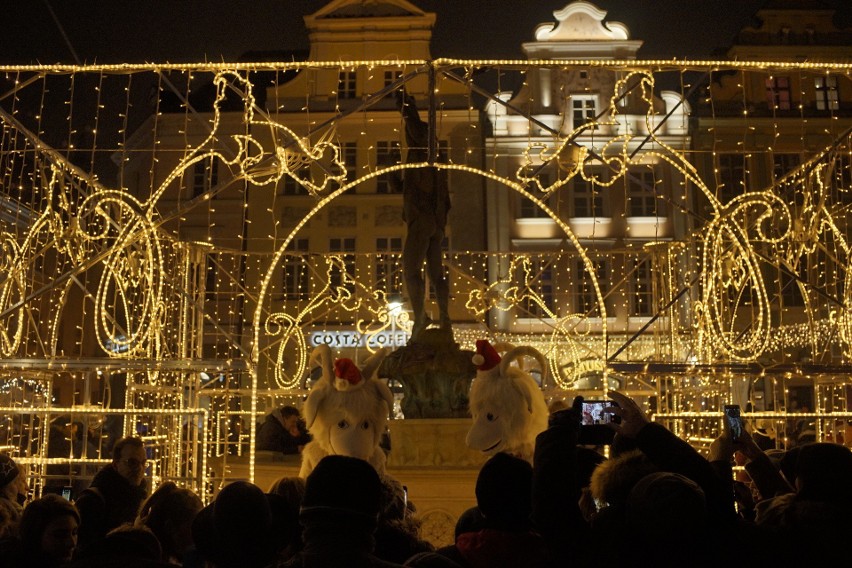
[
  {"x": 290, "y": 186},
  {"x": 391, "y": 76},
  {"x": 388, "y": 268},
  {"x": 346, "y": 85},
  {"x": 641, "y": 289},
  {"x": 585, "y": 298},
  {"x": 783, "y": 164},
  {"x": 791, "y": 294},
  {"x": 527, "y": 209},
  {"x": 387, "y": 154},
  {"x": 583, "y": 109},
  {"x": 445, "y": 246},
  {"x": 349, "y": 155},
  {"x": 843, "y": 177},
  {"x": 345, "y": 248},
  {"x": 827, "y": 96},
  {"x": 541, "y": 286},
  {"x": 730, "y": 176},
  {"x": 205, "y": 176},
  {"x": 296, "y": 270},
  {"x": 587, "y": 200},
  {"x": 444, "y": 148},
  {"x": 778, "y": 93},
  {"x": 211, "y": 278},
  {"x": 642, "y": 193}
]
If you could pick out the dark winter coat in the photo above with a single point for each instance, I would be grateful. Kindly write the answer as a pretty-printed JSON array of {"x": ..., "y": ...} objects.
[
  {"x": 109, "y": 502},
  {"x": 272, "y": 436},
  {"x": 335, "y": 539}
]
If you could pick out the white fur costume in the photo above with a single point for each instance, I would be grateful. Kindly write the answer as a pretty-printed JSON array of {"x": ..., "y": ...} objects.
[
  {"x": 507, "y": 405},
  {"x": 346, "y": 412}
]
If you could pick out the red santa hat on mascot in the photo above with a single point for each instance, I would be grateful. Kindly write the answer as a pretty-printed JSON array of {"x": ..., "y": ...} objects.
[
  {"x": 486, "y": 359},
  {"x": 347, "y": 376}
]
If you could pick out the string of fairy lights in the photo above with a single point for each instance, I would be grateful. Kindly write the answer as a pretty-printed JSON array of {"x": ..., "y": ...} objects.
[{"x": 212, "y": 246}]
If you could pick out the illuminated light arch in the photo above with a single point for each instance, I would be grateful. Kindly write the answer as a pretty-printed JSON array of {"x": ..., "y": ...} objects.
[{"x": 479, "y": 302}]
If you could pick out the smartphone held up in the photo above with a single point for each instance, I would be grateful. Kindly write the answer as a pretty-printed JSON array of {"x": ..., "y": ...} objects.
[
  {"x": 733, "y": 421},
  {"x": 595, "y": 422}
]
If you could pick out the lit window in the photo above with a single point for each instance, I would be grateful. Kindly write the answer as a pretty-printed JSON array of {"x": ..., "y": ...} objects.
[
  {"x": 778, "y": 93},
  {"x": 346, "y": 85},
  {"x": 827, "y": 97}
]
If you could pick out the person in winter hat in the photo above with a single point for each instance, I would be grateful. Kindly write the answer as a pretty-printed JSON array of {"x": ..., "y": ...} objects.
[{"x": 339, "y": 515}]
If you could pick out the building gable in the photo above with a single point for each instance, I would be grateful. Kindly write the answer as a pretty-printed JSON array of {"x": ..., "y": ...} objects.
[
  {"x": 581, "y": 21},
  {"x": 367, "y": 9}
]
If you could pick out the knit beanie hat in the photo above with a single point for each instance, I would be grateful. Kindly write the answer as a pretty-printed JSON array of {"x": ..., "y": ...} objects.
[
  {"x": 504, "y": 490},
  {"x": 823, "y": 471},
  {"x": 665, "y": 504},
  {"x": 234, "y": 530},
  {"x": 343, "y": 485},
  {"x": 8, "y": 470}
]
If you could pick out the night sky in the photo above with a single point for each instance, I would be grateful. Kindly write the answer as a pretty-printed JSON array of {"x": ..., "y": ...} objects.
[{"x": 135, "y": 31}]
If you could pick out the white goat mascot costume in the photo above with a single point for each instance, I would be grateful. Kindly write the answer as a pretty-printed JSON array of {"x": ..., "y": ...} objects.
[
  {"x": 507, "y": 405},
  {"x": 347, "y": 411}
]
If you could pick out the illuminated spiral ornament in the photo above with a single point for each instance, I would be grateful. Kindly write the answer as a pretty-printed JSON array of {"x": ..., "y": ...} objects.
[
  {"x": 129, "y": 298},
  {"x": 13, "y": 290},
  {"x": 734, "y": 311},
  {"x": 290, "y": 343}
]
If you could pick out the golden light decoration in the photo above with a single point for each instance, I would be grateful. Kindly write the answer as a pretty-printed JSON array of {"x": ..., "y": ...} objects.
[{"x": 147, "y": 276}]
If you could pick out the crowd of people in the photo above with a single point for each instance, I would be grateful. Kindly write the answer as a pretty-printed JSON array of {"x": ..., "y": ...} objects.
[{"x": 654, "y": 501}]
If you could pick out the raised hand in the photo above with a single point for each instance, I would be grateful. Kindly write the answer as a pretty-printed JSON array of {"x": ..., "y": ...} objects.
[{"x": 632, "y": 417}]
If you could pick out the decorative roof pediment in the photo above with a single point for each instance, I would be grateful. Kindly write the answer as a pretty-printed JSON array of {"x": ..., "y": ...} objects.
[
  {"x": 581, "y": 21},
  {"x": 340, "y": 9}
]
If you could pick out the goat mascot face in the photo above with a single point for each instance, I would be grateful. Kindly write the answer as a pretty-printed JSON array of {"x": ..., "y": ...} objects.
[
  {"x": 507, "y": 405},
  {"x": 347, "y": 411}
]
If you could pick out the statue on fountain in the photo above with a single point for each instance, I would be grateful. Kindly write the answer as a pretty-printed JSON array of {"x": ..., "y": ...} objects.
[
  {"x": 425, "y": 204},
  {"x": 434, "y": 372}
]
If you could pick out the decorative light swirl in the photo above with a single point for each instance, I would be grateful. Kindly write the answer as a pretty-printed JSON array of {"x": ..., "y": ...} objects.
[
  {"x": 129, "y": 299},
  {"x": 13, "y": 290},
  {"x": 565, "y": 353},
  {"x": 734, "y": 292}
]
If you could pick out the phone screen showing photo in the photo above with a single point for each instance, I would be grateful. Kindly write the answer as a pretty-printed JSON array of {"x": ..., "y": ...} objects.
[
  {"x": 593, "y": 413},
  {"x": 733, "y": 421}
]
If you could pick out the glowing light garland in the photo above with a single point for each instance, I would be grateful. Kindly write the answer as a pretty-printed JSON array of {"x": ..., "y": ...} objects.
[{"x": 143, "y": 285}]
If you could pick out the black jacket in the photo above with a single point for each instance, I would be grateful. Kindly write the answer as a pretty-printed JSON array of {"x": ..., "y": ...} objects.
[
  {"x": 109, "y": 502},
  {"x": 272, "y": 436}
]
